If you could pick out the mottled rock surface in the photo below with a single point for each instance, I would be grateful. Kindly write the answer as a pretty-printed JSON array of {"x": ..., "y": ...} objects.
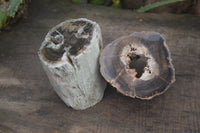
[{"x": 70, "y": 57}]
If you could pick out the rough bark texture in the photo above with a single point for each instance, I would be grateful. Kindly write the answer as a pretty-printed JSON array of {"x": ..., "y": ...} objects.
[
  {"x": 70, "y": 57},
  {"x": 28, "y": 103}
]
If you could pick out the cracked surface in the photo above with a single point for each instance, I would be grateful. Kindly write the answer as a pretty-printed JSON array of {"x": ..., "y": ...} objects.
[{"x": 70, "y": 36}]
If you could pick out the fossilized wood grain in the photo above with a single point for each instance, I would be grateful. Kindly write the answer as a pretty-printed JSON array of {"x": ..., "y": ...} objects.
[
  {"x": 138, "y": 65},
  {"x": 70, "y": 57},
  {"x": 32, "y": 105}
]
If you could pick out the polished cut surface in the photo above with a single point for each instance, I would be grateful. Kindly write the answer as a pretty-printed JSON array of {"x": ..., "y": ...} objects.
[{"x": 138, "y": 65}]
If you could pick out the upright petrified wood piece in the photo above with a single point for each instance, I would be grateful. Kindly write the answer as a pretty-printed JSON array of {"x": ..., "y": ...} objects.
[
  {"x": 69, "y": 55},
  {"x": 138, "y": 65}
]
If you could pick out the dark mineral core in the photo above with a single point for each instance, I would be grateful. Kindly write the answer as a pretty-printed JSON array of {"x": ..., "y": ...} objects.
[
  {"x": 73, "y": 40},
  {"x": 138, "y": 62}
]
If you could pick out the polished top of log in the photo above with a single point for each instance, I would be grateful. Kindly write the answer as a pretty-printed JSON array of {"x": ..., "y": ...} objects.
[{"x": 138, "y": 65}]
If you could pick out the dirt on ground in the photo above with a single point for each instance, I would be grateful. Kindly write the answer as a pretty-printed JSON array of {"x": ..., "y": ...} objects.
[{"x": 189, "y": 6}]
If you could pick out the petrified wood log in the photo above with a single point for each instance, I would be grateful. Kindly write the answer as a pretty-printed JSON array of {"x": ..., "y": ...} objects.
[
  {"x": 138, "y": 65},
  {"x": 69, "y": 55}
]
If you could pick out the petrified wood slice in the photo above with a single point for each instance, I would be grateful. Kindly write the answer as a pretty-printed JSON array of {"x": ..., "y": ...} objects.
[
  {"x": 69, "y": 55},
  {"x": 138, "y": 65}
]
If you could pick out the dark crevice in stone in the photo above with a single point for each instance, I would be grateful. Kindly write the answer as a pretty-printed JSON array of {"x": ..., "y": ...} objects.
[
  {"x": 138, "y": 62},
  {"x": 70, "y": 60}
]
